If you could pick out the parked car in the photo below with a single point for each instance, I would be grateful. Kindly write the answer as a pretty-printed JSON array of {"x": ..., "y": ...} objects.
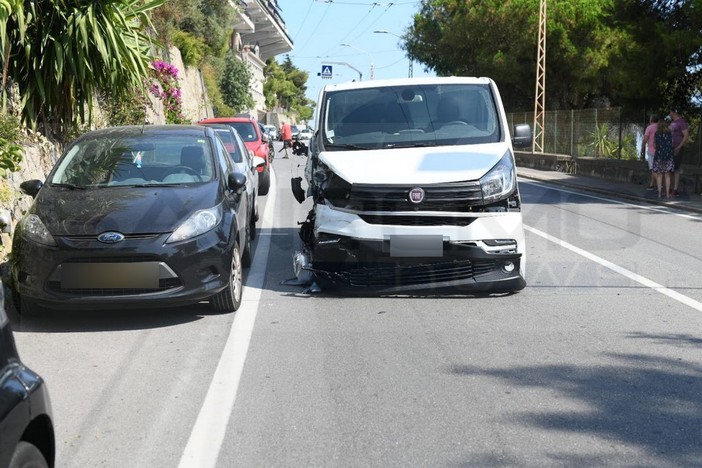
[
  {"x": 26, "y": 420},
  {"x": 295, "y": 131},
  {"x": 305, "y": 134},
  {"x": 441, "y": 207},
  {"x": 139, "y": 216},
  {"x": 272, "y": 132},
  {"x": 244, "y": 162},
  {"x": 251, "y": 131}
]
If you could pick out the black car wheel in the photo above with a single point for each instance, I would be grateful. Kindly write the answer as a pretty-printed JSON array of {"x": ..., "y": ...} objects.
[
  {"x": 246, "y": 256},
  {"x": 264, "y": 183},
  {"x": 252, "y": 227},
  {"x": 27, "y": 455},
  {"x": 229, "y": 299}
]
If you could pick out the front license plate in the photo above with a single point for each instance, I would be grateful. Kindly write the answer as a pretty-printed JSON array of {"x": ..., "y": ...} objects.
[
  {"x": 417, "y": 246},
  {"x": 109, "y": 275}
]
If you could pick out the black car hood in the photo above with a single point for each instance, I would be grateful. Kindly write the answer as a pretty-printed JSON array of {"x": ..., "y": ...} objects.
[{"x": 129, "y": 210}]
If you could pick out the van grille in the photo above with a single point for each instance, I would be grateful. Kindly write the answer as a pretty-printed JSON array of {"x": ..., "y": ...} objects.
[{"x": 453, "y": 197}]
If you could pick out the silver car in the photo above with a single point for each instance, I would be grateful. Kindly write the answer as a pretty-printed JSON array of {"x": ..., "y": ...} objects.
[{"x": 244, "y": 162}]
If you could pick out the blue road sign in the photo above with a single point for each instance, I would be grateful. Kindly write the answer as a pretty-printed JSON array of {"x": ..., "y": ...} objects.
[{"x": 326, "y": 71}]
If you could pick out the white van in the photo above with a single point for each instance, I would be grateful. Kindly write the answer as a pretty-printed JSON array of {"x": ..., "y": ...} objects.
[{"x": 414, "y": 188}]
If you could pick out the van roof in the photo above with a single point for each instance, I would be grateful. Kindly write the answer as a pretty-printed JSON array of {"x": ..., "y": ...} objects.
[{"x": 407, "y": 82}]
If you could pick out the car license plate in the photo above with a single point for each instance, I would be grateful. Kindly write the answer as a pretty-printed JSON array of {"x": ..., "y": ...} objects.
[
  {"x": 417, "y": 246},
  {"x": 110, "y": 275}
]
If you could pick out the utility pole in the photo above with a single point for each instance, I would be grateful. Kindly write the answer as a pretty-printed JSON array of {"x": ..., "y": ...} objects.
[{"x": 540, "y": 95}]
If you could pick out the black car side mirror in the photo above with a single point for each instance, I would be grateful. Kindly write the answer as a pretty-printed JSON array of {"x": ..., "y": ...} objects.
[
  {"x": 521, "y": 136},
  {"x": 31, "y": 187},
  {"x": 236, "y": 181}
]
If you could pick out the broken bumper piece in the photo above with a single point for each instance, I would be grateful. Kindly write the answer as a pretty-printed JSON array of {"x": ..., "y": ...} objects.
[{"x": 379, "y": 267}]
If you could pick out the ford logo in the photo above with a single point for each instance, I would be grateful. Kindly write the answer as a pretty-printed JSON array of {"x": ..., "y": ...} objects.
[
  {"x": 110, "y": 237},
  {"x": 416, "y": 195}
]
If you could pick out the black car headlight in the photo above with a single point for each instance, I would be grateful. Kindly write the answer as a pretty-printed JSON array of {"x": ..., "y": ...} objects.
[
  {"x": 500, "y": 181},
  {"x": 198, "y": 223},
  {"x": 33, "y": 229}
]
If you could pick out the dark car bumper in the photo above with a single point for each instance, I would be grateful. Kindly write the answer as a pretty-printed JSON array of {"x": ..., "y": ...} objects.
[
  {"x": 141, "y": 271},
  {"x": 359, "y": 266}
]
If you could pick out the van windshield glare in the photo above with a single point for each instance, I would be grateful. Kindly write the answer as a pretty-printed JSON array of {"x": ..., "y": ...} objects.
[{"x": 405, "y": 116}]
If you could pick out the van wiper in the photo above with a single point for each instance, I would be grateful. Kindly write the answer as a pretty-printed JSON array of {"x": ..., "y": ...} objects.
[
  {"x": 70, "y": 186},
  {"x": 409, "y": 145},
  {"x": 347, "y": 146}
]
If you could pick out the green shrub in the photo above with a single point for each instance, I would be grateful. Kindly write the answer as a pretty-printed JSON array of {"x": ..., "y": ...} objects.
[
  {"x": 11, "y": 152},
  {"x": 192, "y": 48}
]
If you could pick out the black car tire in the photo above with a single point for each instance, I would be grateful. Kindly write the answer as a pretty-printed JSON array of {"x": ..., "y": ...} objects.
[
  {"x": 252, "y": 226},
  {"x": 246, "y": 256},
  {"x": 229, "y": 299},
  {"x": 27, "y": 455},
  {"x": 264, "y": 182}
]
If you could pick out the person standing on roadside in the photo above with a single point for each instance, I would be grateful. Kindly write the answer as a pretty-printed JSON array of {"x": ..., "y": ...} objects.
[
  {"x": 680, "y": 131},
  {"x": 663, "y": 157},
  {"x": 648, "y": 147},
  {"x": 286, "y": 136}
]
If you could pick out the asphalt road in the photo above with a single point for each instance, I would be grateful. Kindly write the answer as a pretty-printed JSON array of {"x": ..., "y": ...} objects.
[{"x": 598, "y": 362}]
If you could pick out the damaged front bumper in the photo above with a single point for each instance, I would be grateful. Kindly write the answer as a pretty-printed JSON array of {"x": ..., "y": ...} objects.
[
  {"x": 484, "y": 254},
  {"x": 344, "y": 263}
]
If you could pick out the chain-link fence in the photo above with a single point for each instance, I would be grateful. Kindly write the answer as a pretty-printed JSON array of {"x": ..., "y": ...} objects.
[{"x": 600, "y": 133}]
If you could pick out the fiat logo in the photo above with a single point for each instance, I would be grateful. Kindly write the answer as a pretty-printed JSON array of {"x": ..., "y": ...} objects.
[
  {"x": 111, "y": 237},
  {"x": 416, "y": 195}
]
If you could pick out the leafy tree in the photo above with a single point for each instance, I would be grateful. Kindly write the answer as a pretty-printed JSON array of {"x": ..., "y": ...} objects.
[
  {"x": 286, "y": 86},
  {"x": 235, "y": 83},
  {"x": 62, "y": 53},
  {"x": 497, "y": 38},
  {"x": 634, "y": 53}
]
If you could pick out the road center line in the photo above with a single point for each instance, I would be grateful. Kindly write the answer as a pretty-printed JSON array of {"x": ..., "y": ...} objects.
[
  {"x": 622, "y": 271},
  {"x": 205, "y": 442}
]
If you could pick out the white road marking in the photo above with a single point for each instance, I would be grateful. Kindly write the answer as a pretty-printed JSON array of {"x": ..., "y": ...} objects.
[
  {"x": 620, "y": 270},
  {"x": 668, "y": 209},
  {"x": 205, "y": 442}
]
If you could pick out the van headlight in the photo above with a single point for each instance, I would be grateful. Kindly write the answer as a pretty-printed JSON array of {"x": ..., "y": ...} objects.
[
  {"x": 198, "y": 223},
  {"x": 500, "y": 181},
  {"x": 33, "y": 229}
]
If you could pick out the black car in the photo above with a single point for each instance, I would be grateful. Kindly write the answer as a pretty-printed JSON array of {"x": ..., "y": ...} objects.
[
  {"x": 26, "y": 426},
  {"x": 135, "y": 216}
]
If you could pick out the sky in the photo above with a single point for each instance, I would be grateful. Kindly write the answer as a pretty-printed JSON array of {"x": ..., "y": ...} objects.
[{"x": 319, "y": 27}]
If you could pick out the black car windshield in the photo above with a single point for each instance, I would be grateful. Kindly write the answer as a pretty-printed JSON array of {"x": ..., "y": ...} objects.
[
  {"x": 247, "y": 130},
  {"x": 406, "y": 116},
  {"x": 135, "y": 160}
]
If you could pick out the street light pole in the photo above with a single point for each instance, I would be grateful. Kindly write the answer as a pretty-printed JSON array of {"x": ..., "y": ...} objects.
[
  {"x": 365, "y": 52},
  {"x": 383, "y": 31}
]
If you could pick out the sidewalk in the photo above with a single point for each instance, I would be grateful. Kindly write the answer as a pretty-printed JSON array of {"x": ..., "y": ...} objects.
[{"x": 627, "y": 190}]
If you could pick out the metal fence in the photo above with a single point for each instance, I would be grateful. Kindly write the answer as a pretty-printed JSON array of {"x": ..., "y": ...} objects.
[{"x": 601, "y": 133}]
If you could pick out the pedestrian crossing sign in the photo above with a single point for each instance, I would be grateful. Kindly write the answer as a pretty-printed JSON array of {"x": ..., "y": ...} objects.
[{"x": 326, "y": 71}]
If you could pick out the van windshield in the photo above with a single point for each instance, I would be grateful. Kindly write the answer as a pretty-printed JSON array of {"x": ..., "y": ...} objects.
[{"x": 413, "y": 115}]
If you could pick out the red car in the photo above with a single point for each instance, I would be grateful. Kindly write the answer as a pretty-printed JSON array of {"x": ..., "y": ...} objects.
[{"x": 256, "y": 140}]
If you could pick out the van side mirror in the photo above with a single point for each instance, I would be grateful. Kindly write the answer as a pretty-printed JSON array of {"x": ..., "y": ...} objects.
[{"x": 522, "y": 136}]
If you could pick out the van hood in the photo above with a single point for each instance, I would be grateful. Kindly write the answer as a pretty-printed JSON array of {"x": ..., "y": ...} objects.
[
  {"x": 415, "y": 165},
  {"x": 137, "y": 210}
]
